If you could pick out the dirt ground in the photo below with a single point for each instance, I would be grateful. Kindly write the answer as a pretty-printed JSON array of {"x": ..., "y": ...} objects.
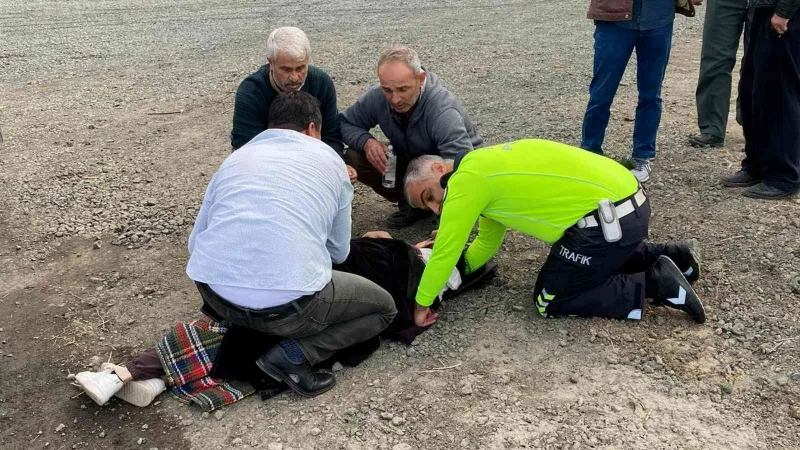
[{"x": 115, "y": 115}]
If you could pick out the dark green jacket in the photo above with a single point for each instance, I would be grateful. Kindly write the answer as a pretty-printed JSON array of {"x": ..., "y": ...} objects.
[{"x": 256, "y": 94}]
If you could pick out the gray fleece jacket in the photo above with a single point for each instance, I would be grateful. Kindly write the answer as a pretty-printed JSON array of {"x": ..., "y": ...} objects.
[{"x": 439, "y": 124}]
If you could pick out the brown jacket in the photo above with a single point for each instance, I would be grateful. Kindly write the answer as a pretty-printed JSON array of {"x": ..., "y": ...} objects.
[{"x": 621, "y": 10}]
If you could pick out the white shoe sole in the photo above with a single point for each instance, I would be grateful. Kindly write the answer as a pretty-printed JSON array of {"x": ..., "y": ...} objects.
[{"x": 141, "y": 393}]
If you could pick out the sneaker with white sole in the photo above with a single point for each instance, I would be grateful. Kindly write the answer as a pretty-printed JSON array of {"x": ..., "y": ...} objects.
[
  {"x": 141, "y": 393},
  {"x": 99, "y": 386},
  {"x": 641, "y": 169}
]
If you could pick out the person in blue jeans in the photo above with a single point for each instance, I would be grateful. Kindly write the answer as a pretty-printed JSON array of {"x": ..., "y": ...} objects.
[{"x": 621, "y": 27}]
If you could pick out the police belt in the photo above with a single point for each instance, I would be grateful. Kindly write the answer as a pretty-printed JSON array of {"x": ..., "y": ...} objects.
[{"x": 623, "y": 207}]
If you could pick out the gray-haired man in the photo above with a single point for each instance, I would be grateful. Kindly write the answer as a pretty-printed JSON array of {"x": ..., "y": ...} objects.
[
  {"x": 417, "y": 114},
  {"x": 287, "y": 69}
]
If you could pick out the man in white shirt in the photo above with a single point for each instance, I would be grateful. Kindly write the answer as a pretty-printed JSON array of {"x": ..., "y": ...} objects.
[{"x": 275, "y": 216}]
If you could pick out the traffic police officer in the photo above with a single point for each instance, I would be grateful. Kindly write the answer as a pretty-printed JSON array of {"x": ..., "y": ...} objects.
[{"x": 589, "y": 207}]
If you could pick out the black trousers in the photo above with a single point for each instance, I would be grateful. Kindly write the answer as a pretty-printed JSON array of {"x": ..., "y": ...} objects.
[
  {"x": 586, "y": 276},
  {"x": 770, "y": 96}
]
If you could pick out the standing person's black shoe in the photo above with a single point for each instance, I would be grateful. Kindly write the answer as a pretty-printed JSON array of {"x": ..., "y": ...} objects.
[
  {"x": 705, "y": 140},
  {"x": 741, "y": 178},
  {"x": 763, "y": 192},
  {"x": 407, "y": 216},
  {"x": 685, "y": 255},
  {"x": 666, "y": 285},
  {"x": 298, "y": 376}
]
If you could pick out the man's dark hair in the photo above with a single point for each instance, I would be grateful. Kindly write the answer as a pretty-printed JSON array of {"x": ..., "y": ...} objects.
[{"x": 294, "y": 111}]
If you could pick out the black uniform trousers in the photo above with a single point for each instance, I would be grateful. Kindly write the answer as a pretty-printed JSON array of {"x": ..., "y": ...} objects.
[
  {"x": 586, "y": 276},
  {"x": 770, "y": 97}
]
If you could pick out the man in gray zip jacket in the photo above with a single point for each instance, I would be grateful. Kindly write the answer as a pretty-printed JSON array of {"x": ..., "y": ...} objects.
[{"x": 417, "y": 114}]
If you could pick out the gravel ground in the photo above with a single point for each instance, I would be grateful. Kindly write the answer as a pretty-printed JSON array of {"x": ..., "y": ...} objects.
[{"x": 116, "y": 114}]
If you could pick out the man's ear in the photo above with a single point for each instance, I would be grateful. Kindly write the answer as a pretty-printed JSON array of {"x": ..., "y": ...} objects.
[
  {"x": 422, "y": 77},
  {"x": 313, "y": 131},
  {"x": 439, "y": 168}
]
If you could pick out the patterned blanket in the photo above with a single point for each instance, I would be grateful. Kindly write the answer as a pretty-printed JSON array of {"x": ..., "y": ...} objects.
[{"x": 187, "y": 354}]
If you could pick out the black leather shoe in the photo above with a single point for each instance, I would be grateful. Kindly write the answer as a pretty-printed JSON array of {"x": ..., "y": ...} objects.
[
  {"x": 300, "y": 377},
  {"x": 668, "y": 287},
  {"x": 741, "y": 178},
  {"x": 405, "y": 216},
  {"x": 763, "y": 192},
  {"x": 685, "y": 255},
  {"x": 706, "y": 140}
]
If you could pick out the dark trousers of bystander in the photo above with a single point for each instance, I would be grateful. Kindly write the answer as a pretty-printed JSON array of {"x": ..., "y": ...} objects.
[
  {"x": 722, "y": 30},
  {"x": 770, "y": 96}
]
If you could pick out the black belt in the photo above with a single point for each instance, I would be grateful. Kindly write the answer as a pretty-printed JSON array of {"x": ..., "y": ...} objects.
[{"x": 241, "y": 315}]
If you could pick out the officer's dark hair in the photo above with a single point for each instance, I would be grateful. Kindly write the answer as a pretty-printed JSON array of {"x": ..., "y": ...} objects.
[{"x": 294, "y": 111}]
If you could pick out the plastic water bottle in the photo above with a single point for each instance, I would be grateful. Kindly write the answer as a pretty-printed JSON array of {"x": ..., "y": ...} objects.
[{"x": 391, "y": 169}]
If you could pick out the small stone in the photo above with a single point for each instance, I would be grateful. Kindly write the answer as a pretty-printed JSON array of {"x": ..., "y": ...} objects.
[
  {"x": 482, "y": 420},
  {"x": 315, "y": 431},
  {"x": 795, "y": 376},
  {"x": 97, "y": 245},
  {"x": 410, "y": 352},
  {"x": 794, "y": 284},
  {"x": 102, "y": 434},
  {"x": 397, "y": 421},
  {"x": 205, "y": 415},
  {"x": 219, "y": 414},
  {"x": 275, "y": 446},
  {"x": 573, "y": 379},
  {"x": 148, "y": 290},
  {"x": 518, "y": 308},
  {"x": 794, "y": 412},
  {"x": 726, "y": 388},
  {"x": 466, "y": 389},
  {"x": 60, "y": 427},
  {"x": 386, "y": 416},
  {"x": 71, "y": 376},
  {"x": 402, "y": 446},
  {"x": 237, "y": 441},
  {"x": 141, "y": 441},
  {"x": 145, "y": 426},
  {"x": 782, "y": 381},
  {"x": 337, "y": 367}
]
